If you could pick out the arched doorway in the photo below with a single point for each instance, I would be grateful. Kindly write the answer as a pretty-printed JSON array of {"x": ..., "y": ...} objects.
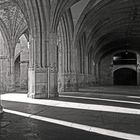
[
  {"x": 17, "y": 72},
  {"x": 125, "y": 76},
  {"x": 21, "y": 64},
  {"x": 124, "y": 64}
]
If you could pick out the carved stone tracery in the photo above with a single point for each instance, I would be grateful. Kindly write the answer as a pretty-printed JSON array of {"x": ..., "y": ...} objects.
[{"x": 12, "y": 18}]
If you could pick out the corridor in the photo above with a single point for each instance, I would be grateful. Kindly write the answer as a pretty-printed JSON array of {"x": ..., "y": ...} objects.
[{"x": 70, "y": 69}]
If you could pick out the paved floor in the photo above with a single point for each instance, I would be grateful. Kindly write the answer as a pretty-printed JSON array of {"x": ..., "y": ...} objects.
[
  {"x": 21, "y": 128},
  {"x": 84, "y": 115}
]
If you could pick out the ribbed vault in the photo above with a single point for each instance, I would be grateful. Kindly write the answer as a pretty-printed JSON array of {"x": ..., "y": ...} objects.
[
  {"x": 107, "y": 21},
  {"x": 12, "y": 22},
  {"x": 60, "y": 7}
]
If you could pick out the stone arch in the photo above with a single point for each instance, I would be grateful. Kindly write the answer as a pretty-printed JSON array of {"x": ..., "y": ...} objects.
[
  {"x": 21, "y": 66},
  {"x": 59, "y": 9},
  {"x": 79, "y": 26},
  {"x": 43, "y": 42},
  {"x": 102, "y": 27}
]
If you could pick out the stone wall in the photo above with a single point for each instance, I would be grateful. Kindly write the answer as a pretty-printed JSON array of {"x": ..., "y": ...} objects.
[{"x": 105, "y": 71}]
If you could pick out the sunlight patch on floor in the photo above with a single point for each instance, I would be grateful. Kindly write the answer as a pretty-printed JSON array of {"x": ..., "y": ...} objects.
[
  {"x": 100, "y": 99},
  {"x": 92, "y": 129},
  {"x": 64, "y": 104}
]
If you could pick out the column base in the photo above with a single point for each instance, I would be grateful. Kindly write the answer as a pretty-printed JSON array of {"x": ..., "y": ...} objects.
[
  {"x": 38, "y": 84},
  {"x": 86, "y": 80},
  {"x": 37, "y": 96},
  {"x": 11, "y": 89},
  {"x": 42, "y": 95},
  {"x": 67, "y": 83}
]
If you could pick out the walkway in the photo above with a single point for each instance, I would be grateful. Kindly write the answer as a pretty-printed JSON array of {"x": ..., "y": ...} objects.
[{"x": 84, "y": 115}]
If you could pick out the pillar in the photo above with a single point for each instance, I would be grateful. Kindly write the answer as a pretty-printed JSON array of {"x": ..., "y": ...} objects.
[
  {"x": 1, "y": 91},
  {"x": 67, "y": 76},
  {"x": 37, "y": 83},
  {"x": 37, "y": 76},
  {"x": 138, "y": 69},
  {"x": 11, "y": 86},
  {"x": 24, "y": 74},
  {"x": 52, "y": 65},
  {"x": 42, "y": 81},
  {"x": 1, "y": 109}
]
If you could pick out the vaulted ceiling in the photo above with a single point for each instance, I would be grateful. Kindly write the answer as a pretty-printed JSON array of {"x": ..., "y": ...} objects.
[
  {"x": 106, "y": 24},
  {"x": 12, "y": 19},
  {"x": 108, "y": 21}
]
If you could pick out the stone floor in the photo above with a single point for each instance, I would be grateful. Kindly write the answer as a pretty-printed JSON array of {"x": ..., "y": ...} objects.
[
  {"x": 21, "y": 128},
  {"x": 84, "y": 115}
]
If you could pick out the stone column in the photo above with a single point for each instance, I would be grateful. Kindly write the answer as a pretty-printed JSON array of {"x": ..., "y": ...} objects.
[
  {"x": 97, "y": 73},
  {"x": 37, "y": 76},
  {"x": 138, "y": 69},
  {"x": 61, "y": 64},
  {"x": 24, "y": 74},
  {"x": 138, "y": 74},
  {"x": 52, "y": 66},
  {"x": 1, "y": 91},
  {"x": 70, "y": 77},
  {"x": 12, "y": 75},
  {"x": 42, "y": 81},
  {"x": 1, "y": 109},
  {"x": 11, "y": 87},
  {"x": 31, "y": 69},
  {"x": 37, "y": 83},
  {"x": 67, "y": 80}
]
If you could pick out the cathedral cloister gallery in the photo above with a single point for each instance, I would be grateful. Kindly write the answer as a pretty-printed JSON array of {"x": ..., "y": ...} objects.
[{"x": 83, "y": 52}]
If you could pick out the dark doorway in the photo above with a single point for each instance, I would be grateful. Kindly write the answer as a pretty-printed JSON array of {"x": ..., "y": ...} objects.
[
  {"x": 17, "y": 71},
  {"x": 125, "y": 76}
]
